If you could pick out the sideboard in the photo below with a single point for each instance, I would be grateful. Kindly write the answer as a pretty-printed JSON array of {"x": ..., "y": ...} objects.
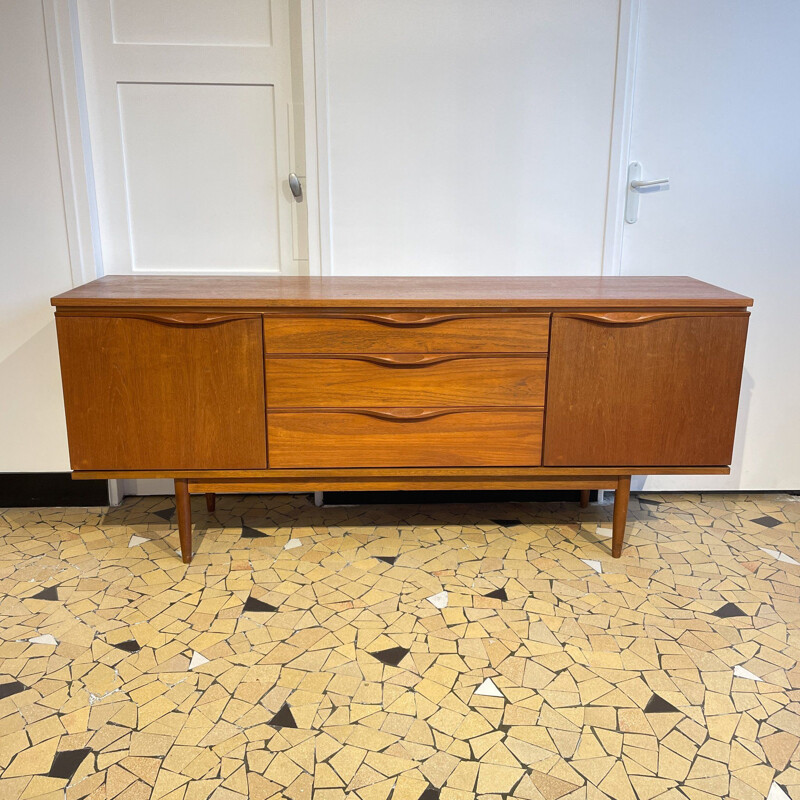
[{"x": 295, "y": 384}]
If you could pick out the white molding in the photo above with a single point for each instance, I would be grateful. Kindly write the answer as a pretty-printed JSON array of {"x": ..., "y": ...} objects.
[
  {"x": 72, "y": 135},
  {"x": 622, "y": 120},
  {"x": 312, "y": 187},
  {"x": 321, "y": 134}
]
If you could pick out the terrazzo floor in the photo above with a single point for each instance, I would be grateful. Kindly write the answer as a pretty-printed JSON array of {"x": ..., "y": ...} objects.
[{"x": 403, "y": 652}]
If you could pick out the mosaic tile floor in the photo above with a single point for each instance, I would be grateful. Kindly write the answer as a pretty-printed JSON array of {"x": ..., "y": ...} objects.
[{"x": 403, "y": 652}]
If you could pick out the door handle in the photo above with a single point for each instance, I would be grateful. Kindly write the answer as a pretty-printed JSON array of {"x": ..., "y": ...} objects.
[
  {"x": 296, "y": 187},
  {"x": 637, "y": 185},
  {"x": 647, "y": 184}
]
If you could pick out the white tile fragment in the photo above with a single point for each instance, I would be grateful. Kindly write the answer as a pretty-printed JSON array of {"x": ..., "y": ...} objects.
[
  {"x": 137, "y": 540},
  {"x": 741, "y": 672},
  {"x": 776, "y": 793},
  {"x": 595, "y": 565},
  {"x": 197, "y": 660},
  {"x": 604, "y": 532},
  {"x": 46, "y": 638},
  {"x": 488, "y": 689},
  {"x": 439, "y": 600},
  {"x": 292, "y": 543},
  {"x": 779, "y": 556}
]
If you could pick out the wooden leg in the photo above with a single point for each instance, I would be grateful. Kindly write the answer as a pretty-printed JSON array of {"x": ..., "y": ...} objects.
[
  {"x": 621, "y": 496},
  {"x": 184, "y": 506},
  {"x": 211, "y": 502},
  {"x": 585, "y": 497}
]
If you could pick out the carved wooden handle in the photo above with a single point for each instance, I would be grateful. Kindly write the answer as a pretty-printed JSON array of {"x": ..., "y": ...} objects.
[
  {"x": 624, "y": 317},
  {"x": 190, "y": 318},
  {"x": 407, "y": 319},
  {"x": 404, "y": 361},
  {"x": 403, "y": 414}
]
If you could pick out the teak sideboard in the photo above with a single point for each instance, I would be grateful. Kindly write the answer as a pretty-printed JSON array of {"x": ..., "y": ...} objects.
[{"x": 294, "y": 384}]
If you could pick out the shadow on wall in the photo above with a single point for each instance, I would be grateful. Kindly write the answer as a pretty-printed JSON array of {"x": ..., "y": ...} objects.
[{"x": 32, "y": 425}]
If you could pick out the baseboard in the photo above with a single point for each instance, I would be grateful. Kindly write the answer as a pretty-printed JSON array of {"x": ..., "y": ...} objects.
[
  {"x": 468, "y": 496},
  {"x": 30, "y": 489}
]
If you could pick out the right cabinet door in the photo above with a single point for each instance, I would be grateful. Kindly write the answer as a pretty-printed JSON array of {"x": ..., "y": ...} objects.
[{"x": 643, "y": 389}]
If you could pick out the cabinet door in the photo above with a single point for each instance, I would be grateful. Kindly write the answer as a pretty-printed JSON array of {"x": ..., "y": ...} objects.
[
  {"x": 163, "y": 393},
  {"x": 643, "y": 389}
]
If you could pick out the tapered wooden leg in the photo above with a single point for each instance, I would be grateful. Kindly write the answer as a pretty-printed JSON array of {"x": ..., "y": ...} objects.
[
  {"x": 585, "y": 497},
  {"x": 184, "y": 506},
  {"x": 621, "y": 496},
  {"x": 211, "y": 502}
]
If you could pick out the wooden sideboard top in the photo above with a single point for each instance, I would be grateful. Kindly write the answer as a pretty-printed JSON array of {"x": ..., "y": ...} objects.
[{"x": 398, "y": 292}]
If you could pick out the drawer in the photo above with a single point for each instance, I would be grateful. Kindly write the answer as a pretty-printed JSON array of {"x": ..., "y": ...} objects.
[
  {"x": 406, "y": 380},
  {"x": 404, "y": 332},
  {"x": 405, "y": 437}
]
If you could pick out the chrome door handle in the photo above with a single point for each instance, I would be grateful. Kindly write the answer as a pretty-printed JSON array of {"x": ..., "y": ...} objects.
[
  {"x": 645, "y": 184},
  {"x": 635, "y": 186},
  {"x": 296, "y": 186}
]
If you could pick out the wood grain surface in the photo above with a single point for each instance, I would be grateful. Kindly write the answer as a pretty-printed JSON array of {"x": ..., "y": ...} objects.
[
  {"x": 475, "y": 333},
  {"x": 144, "y": 395},
  {"x": 398, "y": 292},
  {"x": 364, "y": 439},
  {"x": 405, "y": 381},
  {"x": 660, "y": 392}
]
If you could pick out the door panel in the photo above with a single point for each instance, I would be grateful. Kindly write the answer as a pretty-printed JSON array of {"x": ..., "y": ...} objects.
[
  {"x": 195, "y": 126},
  {"x": 710, "y": 112},
  {"x": 643, "y": 390},
  {"x": 172, "y": 396}
]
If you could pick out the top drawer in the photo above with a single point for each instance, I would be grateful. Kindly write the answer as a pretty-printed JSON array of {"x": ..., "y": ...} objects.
[{"x": 405, "y": 332}]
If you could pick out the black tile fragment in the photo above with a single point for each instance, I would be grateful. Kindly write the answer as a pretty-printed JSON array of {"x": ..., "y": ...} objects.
[
  {"x": 658, "y": 705},
  {"x": 50, "y": 593},
  {"x": 729, "y": 610},
  {"x": 387, "y": 559},
  {"x": 251, "y": 604},
  {"x": 284, "y": 718},
  {"x": 767, "y": 522},
  {"x": 252, "y": 533},
  {"x": 507, "y": 523},
  {"x": 166, "y": 514},
  {"x": 649, "y": 502},
  {"x": 392, "y": 657},
  {"x": 129, "y": 646},
  {"x": 498, "y": 594},
  {"x": 431, "y": 793},
  {"x": 8, "y": 689},
  {"x": 66, "y": 763}
]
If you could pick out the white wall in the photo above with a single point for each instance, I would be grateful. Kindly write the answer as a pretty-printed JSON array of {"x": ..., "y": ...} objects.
[
  {"x": 34, "y": 259},
  {"x": 469, "y": 137}
]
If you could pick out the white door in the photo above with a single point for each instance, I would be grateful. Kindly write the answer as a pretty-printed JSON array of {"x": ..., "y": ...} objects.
[
  {"x": 715, "y": 110},
  {"x": 191, "y": 127}
]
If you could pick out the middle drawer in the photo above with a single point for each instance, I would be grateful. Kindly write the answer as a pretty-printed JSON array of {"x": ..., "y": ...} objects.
[{"x": 405, "y": 380}]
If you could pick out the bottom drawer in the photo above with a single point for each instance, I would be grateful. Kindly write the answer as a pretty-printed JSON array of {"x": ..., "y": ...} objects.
[{"x": 410, "y": 437}]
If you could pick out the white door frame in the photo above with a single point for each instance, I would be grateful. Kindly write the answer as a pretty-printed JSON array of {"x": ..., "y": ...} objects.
[{"x": 622, "y": 123}]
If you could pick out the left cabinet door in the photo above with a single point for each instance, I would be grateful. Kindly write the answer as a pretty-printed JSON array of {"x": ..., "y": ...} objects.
[{"x": 181, "y": 392}]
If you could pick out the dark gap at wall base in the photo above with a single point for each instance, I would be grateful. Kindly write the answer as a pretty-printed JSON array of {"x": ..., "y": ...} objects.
[
  {"x": 31, "y": 489},
  {"x": 467, "y": 496}
]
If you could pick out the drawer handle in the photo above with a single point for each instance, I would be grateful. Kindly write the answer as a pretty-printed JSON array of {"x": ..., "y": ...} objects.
[
  {"x": 407, "y": 319},
  {"x": 406, "y": 361},
  {"x": 189, "y": 318},
  {"x": 404, "y": 414},
  {"x": 627, "y": 317}
]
